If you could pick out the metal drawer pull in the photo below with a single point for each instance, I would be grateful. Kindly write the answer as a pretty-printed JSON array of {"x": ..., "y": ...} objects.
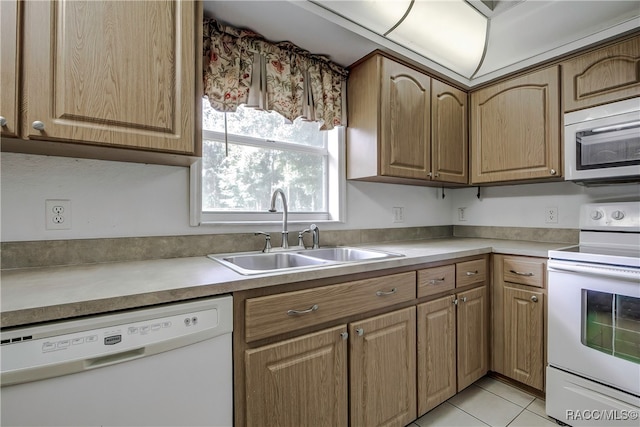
[
  {"x": 434, "y": 281},
  {"x": 344, "y": 335},
  {"x": 360, "y": 332},
  {"x": 520, "y": 273},
  {"x": 38, "y": 125},
  {"x": 391, "y": 292},
  {"x": 472, "y": 273},
  {"x": 314, "y": 307},
  {"x": 455, "y": 301},
  {"x": 534, "y": 298}
]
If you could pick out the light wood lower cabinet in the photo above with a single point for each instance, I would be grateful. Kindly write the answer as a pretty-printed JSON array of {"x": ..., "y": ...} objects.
[
  {"x": 519, "y": 313},
  {"x": 446, "y": 326},
  {"x": 383, "y": 369},
  {"x": 436, "y": 353},
  {"x": 302, "y": 379}
]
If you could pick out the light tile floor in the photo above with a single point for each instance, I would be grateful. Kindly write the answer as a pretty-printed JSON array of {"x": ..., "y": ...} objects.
[{"x": 488, "y": 402}]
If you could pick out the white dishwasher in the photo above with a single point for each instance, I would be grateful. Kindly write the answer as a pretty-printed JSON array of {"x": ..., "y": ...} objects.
[{"x": 169, "y": 365}]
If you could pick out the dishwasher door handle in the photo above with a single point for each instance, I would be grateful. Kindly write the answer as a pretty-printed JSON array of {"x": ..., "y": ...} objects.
[{"x": 114, "y": 358}]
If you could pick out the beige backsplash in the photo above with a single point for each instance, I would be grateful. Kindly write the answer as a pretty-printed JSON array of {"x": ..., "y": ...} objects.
[{"x": 86, "y": 251}]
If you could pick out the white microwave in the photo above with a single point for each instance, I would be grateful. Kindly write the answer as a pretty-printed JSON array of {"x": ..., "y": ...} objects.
[{"x": 602, "y": 144}]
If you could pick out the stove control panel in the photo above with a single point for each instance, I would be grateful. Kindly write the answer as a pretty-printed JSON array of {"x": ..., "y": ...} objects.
[{"x": 622, "y": 216}]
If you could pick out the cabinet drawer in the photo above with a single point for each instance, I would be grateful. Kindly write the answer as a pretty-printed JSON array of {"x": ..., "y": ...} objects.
[
  {"x": 526, "y": 271},
  {"x": 435, "y": 280},
  {"x": 275, "y": 314},
  {"x": 470, "y": 272}
]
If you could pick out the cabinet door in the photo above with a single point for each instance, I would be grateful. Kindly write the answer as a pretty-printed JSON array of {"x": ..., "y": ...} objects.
[
  {"x": 298, "y": 382},
  {"x": 449, "y": 146},
  {"x": 436, "y": 353},
  {"x": 523, "y": 335},
  {"x": 383, "y": 369},
  {"x": 472, "y": 336},
  {"x": 405, "y": 122},
  {"x": 515, "y": 129},
  {"x": 112, "y": 73},
  {"x": 9, "y": 101},
  {"x": 604, "y": 75}
]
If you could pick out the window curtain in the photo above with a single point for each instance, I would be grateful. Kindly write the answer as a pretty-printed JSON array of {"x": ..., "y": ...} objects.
[{"x": 241, "y": 67}]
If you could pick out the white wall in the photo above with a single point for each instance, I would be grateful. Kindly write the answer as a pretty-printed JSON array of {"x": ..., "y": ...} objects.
[
  {"x": 114, "y": 199},
  {"x": 524, "y": 205}
]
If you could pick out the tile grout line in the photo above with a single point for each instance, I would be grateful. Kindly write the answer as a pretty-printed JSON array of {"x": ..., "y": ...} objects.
[
  {"x": 504, "y": 398},
  {"x": 471, "y": 415},
  {"x": 497, "y": 395}
]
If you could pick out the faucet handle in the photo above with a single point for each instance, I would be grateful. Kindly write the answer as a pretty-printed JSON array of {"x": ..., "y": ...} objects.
[
  {"x": 267, "y": 243},
  {"x": 300, "y": 240}
]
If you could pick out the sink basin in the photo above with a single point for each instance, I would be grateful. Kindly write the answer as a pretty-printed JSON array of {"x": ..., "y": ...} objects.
[
  {"x": 257, "y": 263},
  {"x": 347, "y": 254},
  {"x": 262, "y": 263}
]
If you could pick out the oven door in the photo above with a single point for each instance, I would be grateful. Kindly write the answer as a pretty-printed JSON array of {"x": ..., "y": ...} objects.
[{"x": 594, "y": 322}]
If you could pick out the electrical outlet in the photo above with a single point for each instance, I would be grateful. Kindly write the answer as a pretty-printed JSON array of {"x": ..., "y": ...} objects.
[
  {"x": 551, "y": 215},
  {"x": 462, "y": 214},
  {"x": 398, "y": 214},
  {"x": 57, "y": 214}
]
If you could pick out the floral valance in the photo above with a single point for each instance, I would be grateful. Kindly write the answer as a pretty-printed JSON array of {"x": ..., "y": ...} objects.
[{"x": 241, "y": 67}]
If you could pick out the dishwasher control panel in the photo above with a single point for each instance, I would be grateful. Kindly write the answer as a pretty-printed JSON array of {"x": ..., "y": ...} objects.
[{"x": 46, "y": 345}]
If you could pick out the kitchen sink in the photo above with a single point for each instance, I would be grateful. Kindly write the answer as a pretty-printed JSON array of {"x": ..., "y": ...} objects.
[
  {"x": 257, "y": 263},
  {"x": 345, "y": 254}
]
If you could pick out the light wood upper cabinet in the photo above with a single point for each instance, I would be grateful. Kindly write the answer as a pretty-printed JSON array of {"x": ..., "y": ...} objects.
[
  {"x": 601, "y": 76},
  {"x": 518, "y": 308},
  {"x": 308, "y": 372},
  {"x": 118, "y": 74},
  {"x": 383, "y": 369},
  {"x": 515, "y": 129},
  {"x": 9, "y": 69},
  {"x": 405, "y": 113},
  {"x": 449, "y": 133},
  {"x": 404, "y": 126}
]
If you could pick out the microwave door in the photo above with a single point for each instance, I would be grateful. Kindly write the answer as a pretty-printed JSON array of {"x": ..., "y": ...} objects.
[{"x": 608, "y": 147}]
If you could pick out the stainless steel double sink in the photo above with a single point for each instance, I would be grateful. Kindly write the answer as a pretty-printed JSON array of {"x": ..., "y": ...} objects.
[{"x": 259, "y": 263}]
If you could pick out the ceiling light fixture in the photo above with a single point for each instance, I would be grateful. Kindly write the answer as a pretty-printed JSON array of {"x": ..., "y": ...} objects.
[{"x": 449, "y": 32}]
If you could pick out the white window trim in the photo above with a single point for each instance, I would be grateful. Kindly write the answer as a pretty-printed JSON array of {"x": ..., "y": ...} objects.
[{"x": 336, "y": 197}]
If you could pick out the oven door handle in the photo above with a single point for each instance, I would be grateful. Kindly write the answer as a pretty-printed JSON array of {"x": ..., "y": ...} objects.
[{"x": 621, "y": 273}]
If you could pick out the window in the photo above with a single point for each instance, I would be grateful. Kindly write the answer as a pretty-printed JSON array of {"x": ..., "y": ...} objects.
[{"x": 263, "y": 153}]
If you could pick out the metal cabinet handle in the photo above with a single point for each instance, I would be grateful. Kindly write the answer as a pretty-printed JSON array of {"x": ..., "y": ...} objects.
[
  {"x": 360, "y": 332},
  {"x": 464, "y": 299},
  {"x": 391, "y": 292},
  {"x": 455, "y": 301},
  {"x": 520, "y": 273},
  {"x": 434, "y": 281},
  {"x": 472, "y": 273},
  {"x": 314, "y": 307},
  {"x": 429, "y": 174},
  {"x": 553, "y": 172},
  {"x": 3, "y": 121},
  {"x": 534, "y": 298},
  {"x": 38, "y": 125},
  {"x": 344, "y": 335}
]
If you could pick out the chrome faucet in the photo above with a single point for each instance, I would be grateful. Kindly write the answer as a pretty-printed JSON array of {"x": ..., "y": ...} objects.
[
  {"x": 285, "y": 214},
  {"x": 316, "y": 235}
]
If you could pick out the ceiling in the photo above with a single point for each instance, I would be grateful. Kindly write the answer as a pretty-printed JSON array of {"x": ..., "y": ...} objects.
[{"x": 519, "y": 33}]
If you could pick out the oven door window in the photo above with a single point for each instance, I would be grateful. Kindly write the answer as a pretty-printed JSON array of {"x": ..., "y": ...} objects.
[
  {"x": 611, "y": 324},
  {"x": 607, "y": 147}
]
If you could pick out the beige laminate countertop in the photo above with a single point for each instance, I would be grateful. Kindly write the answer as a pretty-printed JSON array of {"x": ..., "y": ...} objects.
[{"x": 43, "y": 294}]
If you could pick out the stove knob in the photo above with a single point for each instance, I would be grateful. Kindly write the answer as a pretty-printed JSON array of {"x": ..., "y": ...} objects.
[
  {"x": 596, "y": 215},
  {"x": 617, "y": 215}
]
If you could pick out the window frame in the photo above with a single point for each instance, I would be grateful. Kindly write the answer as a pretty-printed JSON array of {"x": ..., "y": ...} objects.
[{"x": 335, "y": 183}]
